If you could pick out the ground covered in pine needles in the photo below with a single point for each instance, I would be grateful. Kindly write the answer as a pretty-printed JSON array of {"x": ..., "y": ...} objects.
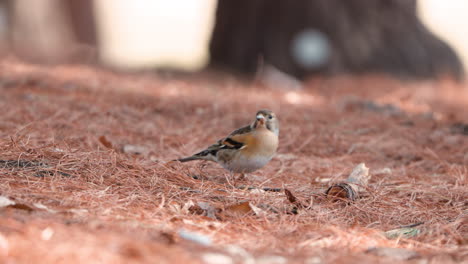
[{"x": 86, "y": 177}]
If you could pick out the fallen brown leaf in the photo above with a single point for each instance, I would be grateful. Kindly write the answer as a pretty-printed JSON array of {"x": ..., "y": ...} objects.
[
  {"x": 292, "y": 199},
  {"x": 106, "y": 143},
  {"x": 239, "y": 209}
]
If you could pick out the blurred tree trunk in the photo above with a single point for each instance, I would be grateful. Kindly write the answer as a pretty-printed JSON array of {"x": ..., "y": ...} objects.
[
  {"x": 48, "y": 31},
  {"x": 5, "y": 24},
  {"x": 82, "y": 20},
  {"x": 352, "y": 36}
]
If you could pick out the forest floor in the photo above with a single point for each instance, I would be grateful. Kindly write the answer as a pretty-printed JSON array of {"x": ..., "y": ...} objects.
[{"x": 85, "y": 175}]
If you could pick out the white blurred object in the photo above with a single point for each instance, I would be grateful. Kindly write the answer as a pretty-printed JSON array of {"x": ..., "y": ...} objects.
[
  {"x": 140, "y": 33},
  {"x": 216, "y": 258},
  {"x": 272, "y": 76},
  {"x": 195, "y": 237},
  {"x": 4, "y": 246},
  {"x": 47, "y": 234},
  {"x": 447, "y": 19},
  {"x": 5, "y": 201},
  {"x": 311, "y": 49}
]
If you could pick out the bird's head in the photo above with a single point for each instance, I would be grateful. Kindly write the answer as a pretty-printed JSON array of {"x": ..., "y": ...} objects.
[{"x": 267, "y": 119}]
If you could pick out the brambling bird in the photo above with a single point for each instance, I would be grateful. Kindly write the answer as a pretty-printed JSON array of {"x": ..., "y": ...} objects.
[{"x": 246, "y": 149}]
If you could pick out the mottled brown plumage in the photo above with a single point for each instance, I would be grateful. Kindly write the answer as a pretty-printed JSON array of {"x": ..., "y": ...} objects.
[{"x": 246, "y": 149}]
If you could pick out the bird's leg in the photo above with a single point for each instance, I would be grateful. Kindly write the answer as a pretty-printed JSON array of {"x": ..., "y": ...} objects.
[
  {"x": 230, "y": 177},
  {"x": 241, "y": 177}
]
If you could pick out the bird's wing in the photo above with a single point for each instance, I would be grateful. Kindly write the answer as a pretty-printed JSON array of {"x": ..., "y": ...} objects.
[
  {"x": 235, "y": 140},
  {"x": 241, "y": 131}
]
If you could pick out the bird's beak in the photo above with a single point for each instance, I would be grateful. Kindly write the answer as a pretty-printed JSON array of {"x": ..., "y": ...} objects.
[{"x": 260, "y": 119}]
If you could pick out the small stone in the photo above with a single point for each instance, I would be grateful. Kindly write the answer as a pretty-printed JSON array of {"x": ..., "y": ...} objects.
[
  {"x": 382, "y": 171},
  {"x": 47, "y": 234},
  {"x": 314, "y": 260},
  {"x": 195, "y": 237},
  {"x": 5, "y": 201},
  {"x": 395, "y": 253},
  {"x": 4, "y": 246},
  {"x": 216, "y": 258},
  {"x": 240, "y": 253},
  {"x": 133, "y": 149},
  {"x": 271, "y": 260}
]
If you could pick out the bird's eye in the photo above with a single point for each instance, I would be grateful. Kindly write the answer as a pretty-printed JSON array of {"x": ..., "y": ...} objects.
[{"x": 270, "y": 117}]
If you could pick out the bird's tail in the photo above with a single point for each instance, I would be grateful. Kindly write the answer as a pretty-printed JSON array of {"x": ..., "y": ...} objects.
[
  {"x": 189, "y": 158},
  {"x": 207, "y": 154}
]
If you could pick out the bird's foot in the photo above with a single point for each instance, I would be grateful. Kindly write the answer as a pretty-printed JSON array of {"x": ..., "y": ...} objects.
[
  {"x": 230, "y": 179},
  {"x": 241, "y": 177}
]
